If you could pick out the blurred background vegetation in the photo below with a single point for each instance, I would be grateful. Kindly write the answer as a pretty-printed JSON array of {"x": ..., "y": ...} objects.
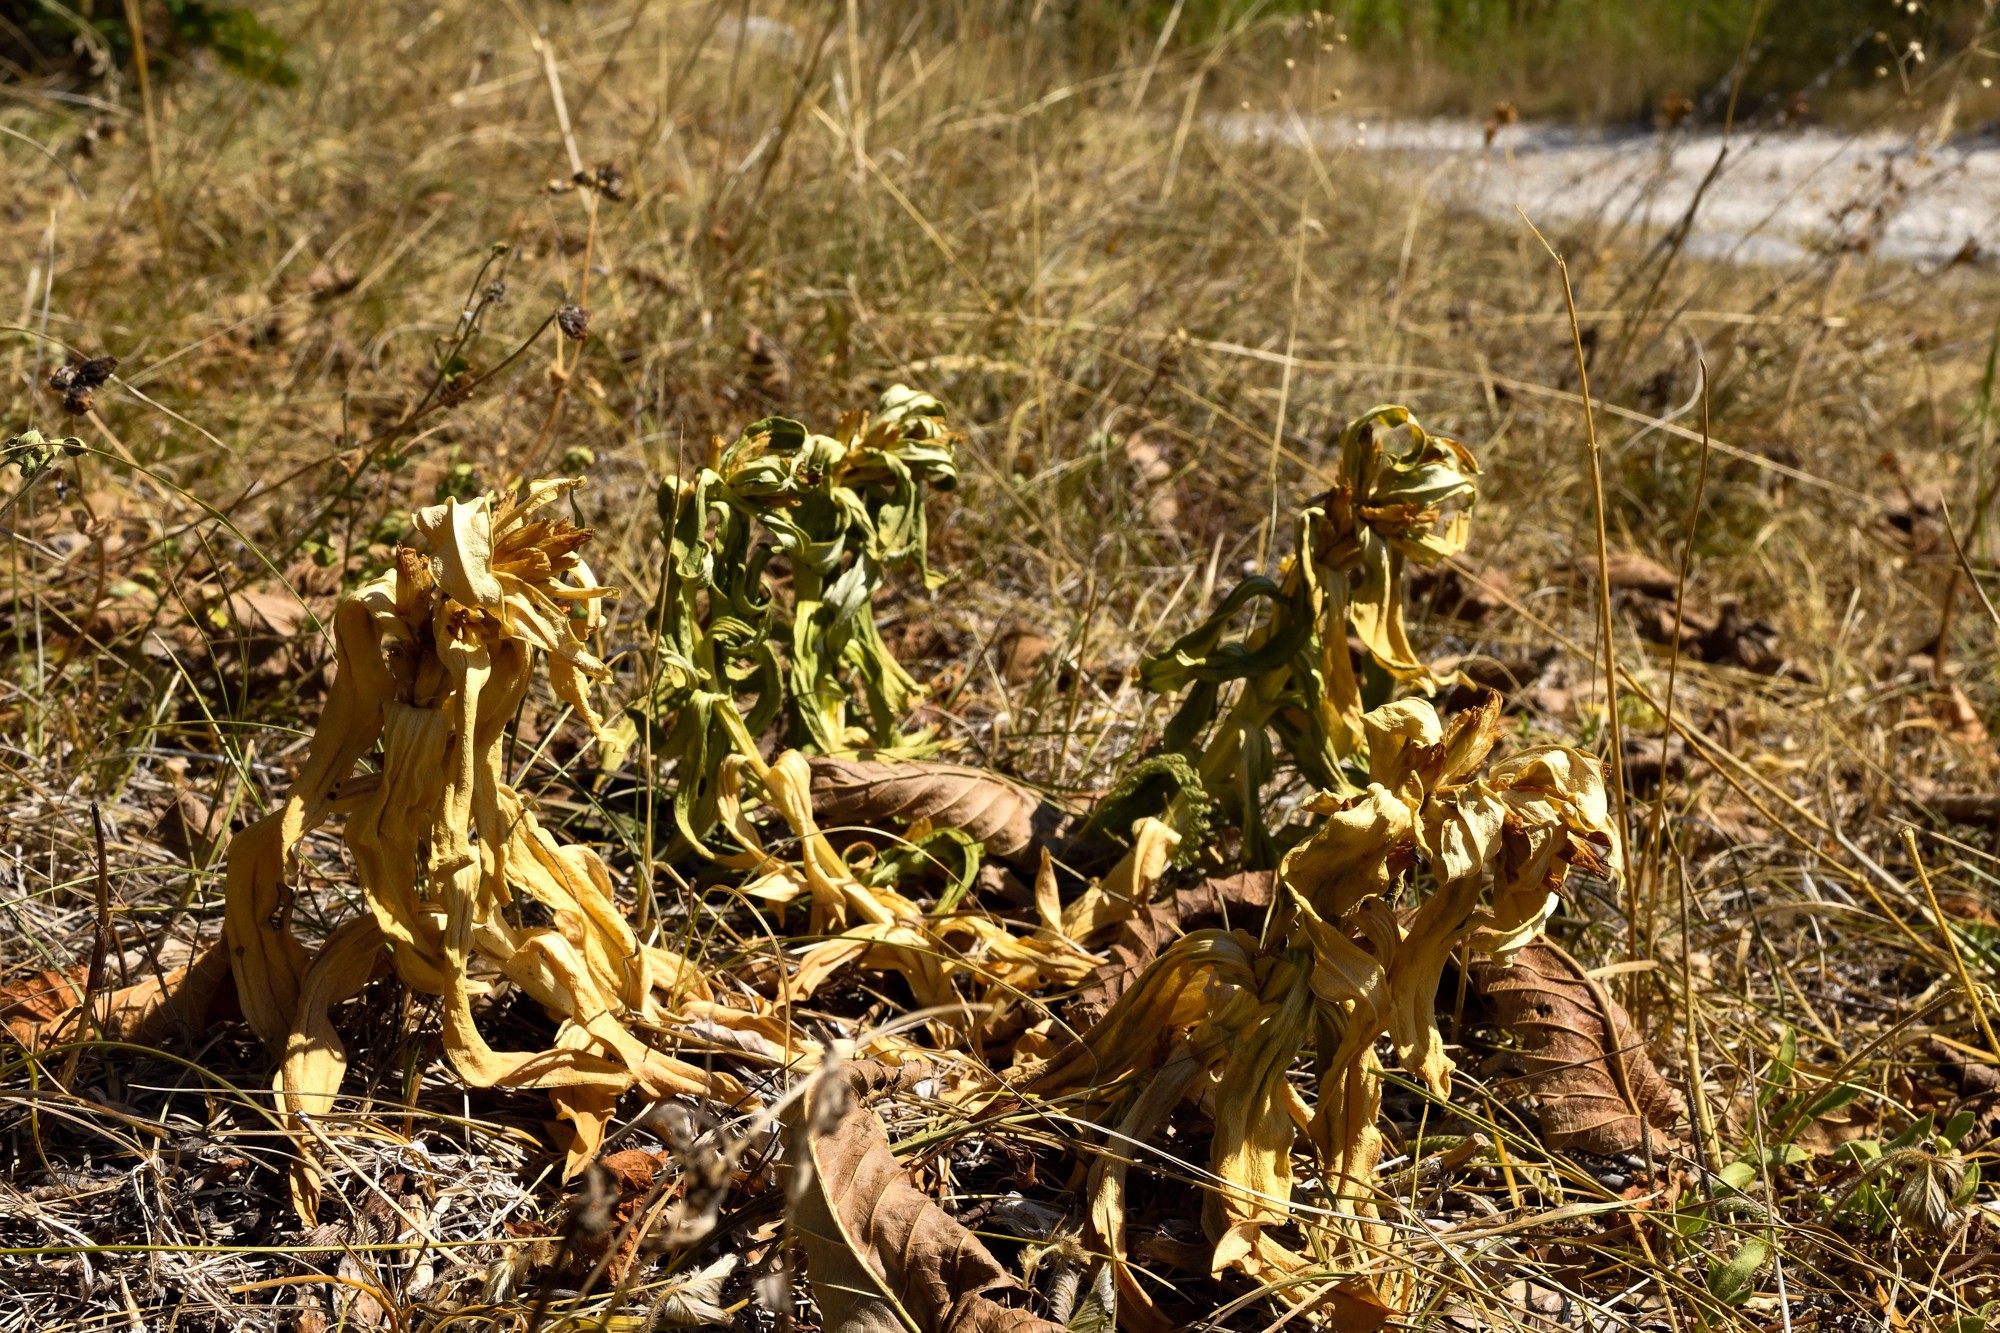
[
  {"x": 1592, "y": 60},
  {"x": 1597, "y": 61}
]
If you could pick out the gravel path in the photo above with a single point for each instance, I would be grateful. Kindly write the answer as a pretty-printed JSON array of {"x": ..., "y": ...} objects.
[{"x": 1778, "y": 195}]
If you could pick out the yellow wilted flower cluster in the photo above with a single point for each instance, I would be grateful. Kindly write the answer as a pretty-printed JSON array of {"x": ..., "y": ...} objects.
[
  {"x": 433, "y": 659},
  {"x": 1342, "y": 967}
]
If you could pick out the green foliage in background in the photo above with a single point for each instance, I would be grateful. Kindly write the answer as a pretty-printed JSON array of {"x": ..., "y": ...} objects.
[
  {"x": 1613, "y": 60},
  {"x": 1792, "y": 45},
  {"x": 96, "y": 37}
]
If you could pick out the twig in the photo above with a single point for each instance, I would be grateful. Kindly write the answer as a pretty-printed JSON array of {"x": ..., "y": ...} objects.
[
  {"x": 138, "y": 30},
  {"x": 1965, "y": 567},
  {"x": 41, "y": 148},
  {"x": 1284, "y": 390},
  {"x": 100, "y": 949},
  {"x": 1704, "y": 1115}
]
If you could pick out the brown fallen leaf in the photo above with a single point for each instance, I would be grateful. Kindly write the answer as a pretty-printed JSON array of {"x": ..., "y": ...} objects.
[
  {"x": 1958, "y": 718},
  {"x": 328, "y": 280},
  {"x": 882, "y": 1257},
  {"x": 190, "y": 827},
  {"x": 1646, "y": 763},
  {"x": 30, "y": 1005},
  {"x": 185, "y": 999},
  {"x": 1154, "y": 472},
  {"x": 621, "y": 1185},
  {"x": 255, "y": 638},
  {"x": 1470, "y": 594},
  {"x": 1018, "y": 655},
  {"x": 357, "y": 1299},
  {"x": 263, "y": 611},
  {"x": 1522, "y": 1306},
  {"x": 1978, "y": 1089},
  {"x": 1587, "y": 1064},
  {"x": 1912, "y": 512},
  {"x": 1726, "y": 636},
  {"x": 1653, "y": 618},
  {"x": 1231, "y": 900},
  {"x": 44, "y": 1009},
  {"x": 980, "y": 804},
  {"x": 1628, "y": 570},
  {"x": 1741, "y": 641}
]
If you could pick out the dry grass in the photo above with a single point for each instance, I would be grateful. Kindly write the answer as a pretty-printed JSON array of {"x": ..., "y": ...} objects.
[{"x": 1144, "y": 329}]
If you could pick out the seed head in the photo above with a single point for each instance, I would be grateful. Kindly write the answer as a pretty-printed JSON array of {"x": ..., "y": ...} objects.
[
  {"x": 574, "y": 321},
  {"x": 606, "y": 179},
  {"x": 76, "y": 381}
]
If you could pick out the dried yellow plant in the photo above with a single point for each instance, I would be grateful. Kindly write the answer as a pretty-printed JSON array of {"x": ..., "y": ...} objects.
[
  {"x": 1401, "y": 496},
  {"x": 1340, "y": 967},
  {"x": 433, "y": 659},
  {"x": 877, "y": 928}
]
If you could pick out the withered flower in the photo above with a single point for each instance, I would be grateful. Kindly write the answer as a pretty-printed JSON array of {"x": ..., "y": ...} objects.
[
  {"x": 433, "y": 659},
  {"x": 1219, "y": 1012},
  {"x": 76, "y": 381}
]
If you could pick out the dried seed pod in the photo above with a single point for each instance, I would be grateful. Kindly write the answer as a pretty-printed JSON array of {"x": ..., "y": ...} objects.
[{"x": 82, "y": 375}]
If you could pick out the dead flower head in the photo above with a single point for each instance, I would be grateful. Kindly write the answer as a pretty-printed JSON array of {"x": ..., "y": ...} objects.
[{"x": 76, "y": 382}]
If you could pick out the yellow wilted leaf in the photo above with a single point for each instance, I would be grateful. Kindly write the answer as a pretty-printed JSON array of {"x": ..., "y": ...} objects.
[
  {"x": 434, "y": 658},
  {"x": 1214, "y": 1008}
]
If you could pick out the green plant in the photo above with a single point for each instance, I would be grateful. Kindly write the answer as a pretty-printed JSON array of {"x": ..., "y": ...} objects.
[
  {"x": 1918, "y": 1178},
  {"x": 1400, "y": 495},
  {"x": 238, "y": 37},
  {"x": 776, "y": 548}
]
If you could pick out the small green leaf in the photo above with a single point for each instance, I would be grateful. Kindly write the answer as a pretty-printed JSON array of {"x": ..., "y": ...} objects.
[
  {"x": 1956, "y": 1128},
  {"x": 1785, "y": 1154},
  {"x": 1782, "y": 1068},
  {"x": 1738, "y": 1175},
  {"x": 1978, "y": 1320},
  {"x": 1690, "y": 1223},
  {"x": 1833, "y": 1099},
  {"x": 1732, "y": 1283},
  {"x": 1918, "y": 1130}
]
